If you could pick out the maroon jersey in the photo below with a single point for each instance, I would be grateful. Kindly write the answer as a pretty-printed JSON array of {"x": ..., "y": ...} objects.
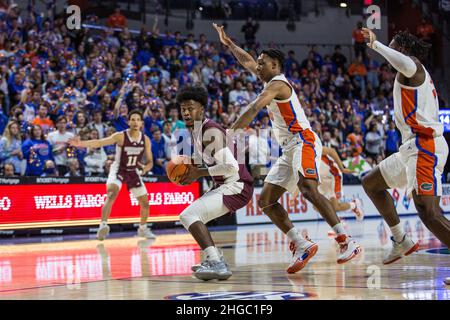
[
  {"x": 235, "y": 201},
  {"x": 127, "y": 157}
]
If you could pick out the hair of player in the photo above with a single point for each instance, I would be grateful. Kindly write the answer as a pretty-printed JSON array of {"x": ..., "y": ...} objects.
[
  {"x": 135, "y": 111},
  {"x": 275, "y": 54},
  {"x": 413, "y": 45},
  {"x": 197, "y": 93}
]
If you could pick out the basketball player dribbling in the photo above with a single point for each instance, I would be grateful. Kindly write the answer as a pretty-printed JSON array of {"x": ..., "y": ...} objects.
[
  {"x": 131, "y": 145},
  {"x": 302, "y": 149},
  {"x": 419, "y": 163},
  {"x": 233, "y": 183}
]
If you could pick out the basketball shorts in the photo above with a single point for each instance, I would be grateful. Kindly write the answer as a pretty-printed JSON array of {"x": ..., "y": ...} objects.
[
  {"x": 217, "y": 202},
  {"x": 418, "y": 165},
  {"x": 131, "y": 178},
  {"x": 330, "y": 184},
  {"x": 303, "y": 158}
]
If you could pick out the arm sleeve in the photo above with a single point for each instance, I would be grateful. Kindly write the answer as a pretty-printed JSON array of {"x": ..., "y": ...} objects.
[
  {"x": 226, "y": 163},
  {"x": 399, "y": 61}
]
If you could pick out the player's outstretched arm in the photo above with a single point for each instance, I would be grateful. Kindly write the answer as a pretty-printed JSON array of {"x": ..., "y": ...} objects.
[
  {"x": 402, "y": 63},
  {"x": 244, "y": 58},
  {"x": 264, "y": 98},
  {"x": 113, "y": 139},
  {"x": 334, "y": 155}
]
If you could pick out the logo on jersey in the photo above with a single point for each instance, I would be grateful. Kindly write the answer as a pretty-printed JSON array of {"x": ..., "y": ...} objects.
[
  {"x": 310, "y": 171},
  {"x": 241, "y": 295},
  {"x": 426, "y": 186}
]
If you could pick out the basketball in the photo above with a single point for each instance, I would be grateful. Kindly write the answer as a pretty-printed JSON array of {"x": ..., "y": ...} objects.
[{"x": 177, "y": 167}]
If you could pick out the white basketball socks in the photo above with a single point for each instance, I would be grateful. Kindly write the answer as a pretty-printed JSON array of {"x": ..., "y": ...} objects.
[
  {"x": 339, "y": 228},
  {"x": 398, "y": 233},
  {"x": 212, "y": 253},
  {"x": 294, "y": 236}
]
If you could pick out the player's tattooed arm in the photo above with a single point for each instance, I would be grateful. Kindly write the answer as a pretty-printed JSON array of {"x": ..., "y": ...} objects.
[
  {"x": 264, "y": 98},
  {"x": 116, "y": 138},
  {"x": 148, "y": 155},
  {"x": 244, "y": 58}
]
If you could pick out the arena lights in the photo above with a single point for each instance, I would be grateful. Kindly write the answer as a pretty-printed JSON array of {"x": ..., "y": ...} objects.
[{"x": 343, "y": 4}]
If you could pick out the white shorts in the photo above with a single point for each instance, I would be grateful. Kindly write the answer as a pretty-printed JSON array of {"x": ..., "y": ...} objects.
[
  {"x": 217, "y": 202},
  {"x": 303, "y": 158},
  {"x": 137, "y": 192},
  {"x": 330, "y": 182},
  {"x": 417, "y": 166}
]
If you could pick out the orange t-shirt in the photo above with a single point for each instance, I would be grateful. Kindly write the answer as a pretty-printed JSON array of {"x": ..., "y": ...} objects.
[
  {"x": 117, "y": 21},
  {"x": 46, "y": 123},
  {"x": 358, "y": 35},
  {"x": 356, "y": 143},
  {"x": 357, "y": 69}
]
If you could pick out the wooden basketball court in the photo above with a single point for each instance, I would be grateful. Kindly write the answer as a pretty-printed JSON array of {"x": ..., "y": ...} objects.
[{"x": 127, "y": 267}]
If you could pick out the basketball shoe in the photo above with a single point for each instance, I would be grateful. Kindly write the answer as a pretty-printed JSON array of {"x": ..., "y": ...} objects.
[
  {"x": 145, "y": 232},
  {"x": 102, "y": 231},
  {"x": 348, "y": 248},
  {"x": 401, "y": 249},
  {"x": 301, "y": 254},
  {"x": 204, "y": 260},
  {"x": 211, "y": 270}
]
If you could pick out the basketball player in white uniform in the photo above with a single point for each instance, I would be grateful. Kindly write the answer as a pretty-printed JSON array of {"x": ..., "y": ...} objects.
[
  {"x": 419, "y": 164},
  {"x": 302, "y": 149}
]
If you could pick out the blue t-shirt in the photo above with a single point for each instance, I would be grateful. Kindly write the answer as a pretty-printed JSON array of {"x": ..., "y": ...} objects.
[
  {"x": 120, "y": 123},
  {"x": 149, "y": 122},
  {"x": 188, "y": 62},
  {"x": 392, "y": 141},
  {"x": 159, "y": 152},
  {"x": 35, "y": 162}
]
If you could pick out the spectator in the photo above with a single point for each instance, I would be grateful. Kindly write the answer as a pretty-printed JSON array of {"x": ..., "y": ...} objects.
[
  {"x": 36, "y": 150},
  {"x": 208, "y": 71},
  {"x": 43, "y": 120},
  {"x": 9, "y": 170},
  {"x": 11, "y": 147},
  {"x": 258, "y": 151},
  {"x": 358, "y": 41},
  {"x": 117, "y": 19},
  {"x": 250, "y": 28},
  {"x": 159, "y": 152},
  {"x": 393, "y": 139},
  {"x": 59, "y": 141},
  {"x": 425, "y": 31},
  {"x": 74, "y": 168},
  {"x": 355, "y": 141},
  {"x": 176, "y": 123},
  {"x": 50, "y": 169},
  {"x": 170, "y": 141},
  {"x": 238, "y": 93},
  {"x": 98, "y": 124},
  {"x": 95, "y": 157},
  {"x": 338, "y": 58},
  {"x": 358, "y": 71},
  {"x": 373, "y": 142},
  {"x": 110, "y": 150}
]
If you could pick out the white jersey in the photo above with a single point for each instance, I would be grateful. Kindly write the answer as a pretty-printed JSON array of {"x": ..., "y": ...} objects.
[
  {"x": 288, "y": 118},
  {"x": 417, "y": 110}
]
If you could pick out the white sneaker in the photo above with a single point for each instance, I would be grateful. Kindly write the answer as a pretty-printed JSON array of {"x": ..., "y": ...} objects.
[
  {"x": 204, "y": 260},
  {"x": 358, "y": 211},
  {"x": 401, "y": 249},
  {"x": 348, "y": 248},
  {"x": 146, "y": 233},
  {"x": 102, "y": 232},
  {"x": 301, "y": 254}
]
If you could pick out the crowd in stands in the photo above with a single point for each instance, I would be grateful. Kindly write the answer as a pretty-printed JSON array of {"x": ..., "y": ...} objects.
[{"x": 56, "y": 83}]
